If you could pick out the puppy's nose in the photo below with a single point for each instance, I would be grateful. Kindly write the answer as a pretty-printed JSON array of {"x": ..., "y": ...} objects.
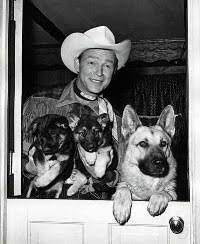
[
  {"x": 90, "y": 148},
  {"x": 157, "y": 161}
]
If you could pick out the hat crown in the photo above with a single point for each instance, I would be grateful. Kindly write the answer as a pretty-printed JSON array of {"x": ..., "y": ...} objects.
[{"x": 101, "y": 35}]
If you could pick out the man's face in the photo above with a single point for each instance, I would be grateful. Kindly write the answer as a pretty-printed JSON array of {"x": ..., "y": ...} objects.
[{"x": 95, "y": 67}]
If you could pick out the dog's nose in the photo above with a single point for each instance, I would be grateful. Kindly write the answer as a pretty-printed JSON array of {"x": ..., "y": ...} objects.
[
  {"x": 157, "y": 162},
  {"x": 91, "y": 148}
]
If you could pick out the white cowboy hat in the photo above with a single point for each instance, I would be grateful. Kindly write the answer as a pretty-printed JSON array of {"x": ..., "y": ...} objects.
[{"x": 98, "y": 37}]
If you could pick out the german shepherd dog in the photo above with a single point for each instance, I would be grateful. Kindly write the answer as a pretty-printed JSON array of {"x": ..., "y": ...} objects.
[
  {"x": 95, "y": 153},
  {"x": 50, "y": 154},
  {"x": 147, "y": 166}
]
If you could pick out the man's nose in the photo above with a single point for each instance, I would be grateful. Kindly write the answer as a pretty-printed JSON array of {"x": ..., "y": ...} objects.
[{"x": 99, "y": 70}]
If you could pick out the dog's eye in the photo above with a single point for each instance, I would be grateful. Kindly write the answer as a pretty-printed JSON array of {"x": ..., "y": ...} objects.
[
  {"x": 143, "y": 144},
  {"x": 163, "y": 144},
  {"x": 95, "y": 131},
  {"x": 82, "y": 133},
  {"x": 64, "y": 126},
  {"x": 52, "y": 132}
]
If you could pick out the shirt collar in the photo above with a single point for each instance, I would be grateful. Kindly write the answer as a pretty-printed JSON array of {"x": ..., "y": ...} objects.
[
  {"x": 69, "y": 96},
  {"x": 83, "y": 95}
]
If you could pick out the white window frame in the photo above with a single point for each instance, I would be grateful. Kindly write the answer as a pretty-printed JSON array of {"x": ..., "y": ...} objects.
[
  {"x": 3, "y": 114},
  {"x": 16, "y": 157},
  {"x": 194, "y": 113}
]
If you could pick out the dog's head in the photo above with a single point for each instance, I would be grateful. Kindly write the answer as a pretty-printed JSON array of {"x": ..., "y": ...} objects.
[
  {"x": 91, "y": 131},
  {"x": 150, "y": 146},
  {"x": 93, "y": 137},
  {"x": 51, "y": 133}
]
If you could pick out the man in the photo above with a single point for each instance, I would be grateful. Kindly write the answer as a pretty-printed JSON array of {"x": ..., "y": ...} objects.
[{"x": 94, "y": 57}]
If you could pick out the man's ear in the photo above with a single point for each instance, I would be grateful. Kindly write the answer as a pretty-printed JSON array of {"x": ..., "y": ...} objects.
[{"x": 76, "y": 64}]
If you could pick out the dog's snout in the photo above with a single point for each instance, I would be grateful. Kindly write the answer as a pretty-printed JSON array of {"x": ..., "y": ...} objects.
[
  {"x": 91, "y": 147},
  {"x": 157, "y": 161},
  {"x": 155, "y": 166}
]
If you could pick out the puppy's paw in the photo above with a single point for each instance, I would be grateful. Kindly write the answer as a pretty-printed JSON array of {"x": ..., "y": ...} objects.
[
  {"x": 77, "y": 179},
  {"x": 122, "y": 205},
  {"x": 157, "y": 204}
]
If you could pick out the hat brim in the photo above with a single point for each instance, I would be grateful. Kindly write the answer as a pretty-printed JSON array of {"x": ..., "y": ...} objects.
[{"x": 76, "y": 43}]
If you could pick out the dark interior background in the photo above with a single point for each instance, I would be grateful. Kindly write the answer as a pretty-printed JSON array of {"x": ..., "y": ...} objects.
[{"x": 154, "y": 76}]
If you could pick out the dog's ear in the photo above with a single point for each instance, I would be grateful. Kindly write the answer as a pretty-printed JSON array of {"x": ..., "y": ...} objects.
[
  {"x": 73, "y": 120},
  {"x": 167, "y": 120},
  {"x": 86, "y": 111},
  {"x": 130, "y": 121},
  {"x": 103, "y": 119},
  {"x": 31, "y": 132},
  {"x": 33, "y": 129},
  {"x": 39, "y": 123}
]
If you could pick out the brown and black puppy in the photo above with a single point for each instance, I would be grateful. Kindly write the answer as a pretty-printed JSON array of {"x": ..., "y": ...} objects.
[
  {"x": 50, "y": 154},
  {"x": 95, "y": 159},
  {"x": 148, "y": 168}
]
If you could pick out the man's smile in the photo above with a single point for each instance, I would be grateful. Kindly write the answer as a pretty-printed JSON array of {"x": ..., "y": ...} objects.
[{"x": 97, "y": 80}]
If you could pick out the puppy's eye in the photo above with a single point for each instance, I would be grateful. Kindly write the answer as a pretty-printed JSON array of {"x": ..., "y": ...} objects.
[
  {"x": 52, "y": 132},
  {"x": 64, "y": 126},
  {"x": 95, "y": 131},
  {"x": 143, "y": 144},
  {"x": 163, "y": 144},
  {"x": 58, "y": 124},
  {"x": 82, "y": 133}
]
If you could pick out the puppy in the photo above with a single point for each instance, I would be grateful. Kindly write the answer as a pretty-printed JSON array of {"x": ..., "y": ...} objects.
[
  {"x": 147, "y": 166},
  {"x": 95, "y": 158},
  {"x": 50, "y": 154}
]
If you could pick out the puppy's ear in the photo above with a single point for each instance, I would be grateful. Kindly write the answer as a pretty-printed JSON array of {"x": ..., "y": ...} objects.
[
  {"x": 130, "y": 121},
  {"x": 167, "y": 120},
  {"x": 33, "y": 129},
  {"x": 86, "y": 111},
  {"x": 37, "y": 124},
  {"x": 103, "y": 119},
  {"x": 72, "y": 120}
]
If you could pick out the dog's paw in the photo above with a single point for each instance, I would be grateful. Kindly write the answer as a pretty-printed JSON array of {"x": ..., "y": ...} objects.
[
  {"x": 77, "y": 179},
  {"x": 157, "y": 204},
  {"x": 122, "y": 205},
  {"x": 48, "y": 176}
]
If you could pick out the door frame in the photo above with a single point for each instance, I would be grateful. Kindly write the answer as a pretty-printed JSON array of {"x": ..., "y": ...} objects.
[{"x": 193, "y": 105}]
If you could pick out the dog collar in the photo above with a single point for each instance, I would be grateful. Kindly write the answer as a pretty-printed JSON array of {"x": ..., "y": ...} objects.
[{"x": 83, "y": 95}]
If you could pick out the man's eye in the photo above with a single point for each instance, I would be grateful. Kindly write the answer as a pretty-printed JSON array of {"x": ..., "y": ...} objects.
[
  {"x": 143, "y": 144},
  {"x": 108, "y": 66},
  {"x": 163, "y": 143},
  {"x": 91, "y": 62}
]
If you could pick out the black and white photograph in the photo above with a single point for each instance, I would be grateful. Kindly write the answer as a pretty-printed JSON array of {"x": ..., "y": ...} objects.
[{"x": 99, "y": 122}]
